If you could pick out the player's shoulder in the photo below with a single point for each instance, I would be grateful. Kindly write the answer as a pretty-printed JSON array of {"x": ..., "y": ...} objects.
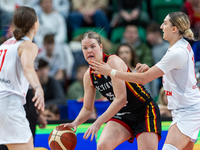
[
  {"x": 115, "y": 60},
  {"x": 28, "y": 45}
]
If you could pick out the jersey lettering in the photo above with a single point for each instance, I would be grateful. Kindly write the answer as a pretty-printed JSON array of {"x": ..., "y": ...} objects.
[
  {"x": 168, "y": 93},
  {"x": 189, "y": 48},
  {"x": 194, "y": 65},
  {"x": 4, "y": 54}
]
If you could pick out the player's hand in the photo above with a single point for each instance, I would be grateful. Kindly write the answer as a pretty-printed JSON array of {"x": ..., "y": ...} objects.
[
  {"x": 70, "y": 125},
  {"x": 39, "y": 99},
  {"x": 141, "y": 67},
  {"x": 42, "y": 120},
  {"x": 92, "y": 130},
  {"x": 100, "y": 68}
]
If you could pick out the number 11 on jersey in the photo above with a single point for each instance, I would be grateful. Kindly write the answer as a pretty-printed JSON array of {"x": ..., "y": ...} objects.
[{"x": 2, "y": 57}]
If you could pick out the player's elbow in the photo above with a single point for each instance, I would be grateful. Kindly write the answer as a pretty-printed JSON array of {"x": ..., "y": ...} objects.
[
  {"x": 27, "y": 70},
  {"x": 123, "y": 101}
]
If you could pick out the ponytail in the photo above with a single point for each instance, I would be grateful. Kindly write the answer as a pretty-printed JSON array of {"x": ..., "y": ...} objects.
[
  {"x": 18, "y": 34},
  {"x": 189, "y": 34}
]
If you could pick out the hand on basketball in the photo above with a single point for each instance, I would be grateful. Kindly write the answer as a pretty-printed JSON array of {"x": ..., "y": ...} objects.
[
  {"x": 39, "y": 99},
  {"x": 70, "y": 125},
  {"x": 141, "y": 67},
  {"x": 100, "y": 68},
  {"x": 93, "y": 129}
]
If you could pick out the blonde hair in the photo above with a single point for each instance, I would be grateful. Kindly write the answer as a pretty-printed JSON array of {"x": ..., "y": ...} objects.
[
  {"x": 92, "y": 35},
  {"x": 182, "y": 22}
]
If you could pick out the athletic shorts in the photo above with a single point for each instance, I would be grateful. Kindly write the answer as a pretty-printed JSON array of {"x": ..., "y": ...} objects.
[
  {"x": 148, "y": 120},
  {"x": 188, "y": 120},
  {"x": 14, "y": 127}
]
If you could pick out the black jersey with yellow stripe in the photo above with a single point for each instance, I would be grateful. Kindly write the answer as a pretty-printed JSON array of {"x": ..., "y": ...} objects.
[{"x": 137, "y": 96}]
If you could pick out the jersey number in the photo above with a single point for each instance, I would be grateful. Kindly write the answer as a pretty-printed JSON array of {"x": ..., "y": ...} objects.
[{"x": 2, "y": 54}]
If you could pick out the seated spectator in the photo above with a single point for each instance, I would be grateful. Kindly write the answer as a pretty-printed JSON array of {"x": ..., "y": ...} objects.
[
  {"x": 88, "y": 12},
  {"x": 62, "y": 6},
  {"x": 76, "y": 89},
  {"x": 51, "y": 22},
  {"x": 162, "y": 103},
  {"x": 128, "y": 55},
  {"x": 129, "y": 12},
  {"x": 192, "y": 9},
  {"x": 51, "y": 112},
  {"x": 53, "y": 92},
  {"x": 131, "y": 37},
  {"x": 155, "y": 39},
  {"x": 58, "y": 56}
]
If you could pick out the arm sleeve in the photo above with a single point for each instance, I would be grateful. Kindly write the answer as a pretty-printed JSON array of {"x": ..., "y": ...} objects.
[{"x": 176, "y": 59}]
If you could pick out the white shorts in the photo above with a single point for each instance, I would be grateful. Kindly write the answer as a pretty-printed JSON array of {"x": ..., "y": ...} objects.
[
  {"x": 188, "y": 120},
  {"x": 14, "y": 127}
]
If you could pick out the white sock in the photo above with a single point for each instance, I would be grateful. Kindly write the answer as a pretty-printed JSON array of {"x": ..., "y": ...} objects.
[{"x": 169, "y": 147}]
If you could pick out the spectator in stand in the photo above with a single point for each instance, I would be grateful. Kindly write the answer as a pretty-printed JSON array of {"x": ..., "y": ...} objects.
[
  {"x": 52, "y": 112},
  {"x": 58, "y": 56},
  {"x": 130, "y": 12},
  {"x": 128, "y": 55},
  {"x": 162, "y": 104},
  {"x": 159, "y": 46},
  {"x": 53, "y": 56},
  {"x": 62, "y": 6},
  {"x": 51, "y": 22},
  {"x": 192, "y": 9},
  {"x": 76, "y": 89},
  {"x": 88, "y": 12},
  {"x": 131, "y": 37},
  {"x": 53, "y": 92}
]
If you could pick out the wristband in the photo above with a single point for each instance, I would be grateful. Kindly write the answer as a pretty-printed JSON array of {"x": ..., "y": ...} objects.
[
  {"x": 37, "y": 87},
  {"x": 113, "y": 73}
]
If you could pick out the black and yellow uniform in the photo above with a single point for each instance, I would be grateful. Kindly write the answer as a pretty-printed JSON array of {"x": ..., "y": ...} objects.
[{"x": 140, "y": 114}]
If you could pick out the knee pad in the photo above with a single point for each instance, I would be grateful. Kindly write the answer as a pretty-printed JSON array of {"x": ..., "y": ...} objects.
[{"x": 169, "y": 147}]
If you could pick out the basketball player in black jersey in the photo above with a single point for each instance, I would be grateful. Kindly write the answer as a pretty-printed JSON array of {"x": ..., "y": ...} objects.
[{"x": 132, "y": 112}]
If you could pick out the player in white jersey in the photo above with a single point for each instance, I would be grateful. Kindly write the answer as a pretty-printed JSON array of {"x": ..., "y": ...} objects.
[
  {"x": 179, "y": 81},
  {"x": 17, "y": 57}
]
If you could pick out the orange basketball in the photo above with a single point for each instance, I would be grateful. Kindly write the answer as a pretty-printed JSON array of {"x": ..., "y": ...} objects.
[{"x": 62, "y": 138}]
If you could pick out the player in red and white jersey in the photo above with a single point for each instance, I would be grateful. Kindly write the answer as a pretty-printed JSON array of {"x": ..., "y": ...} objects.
[
  {"x": 17, "y": 57},
  {"x": 177, "y": 69}
]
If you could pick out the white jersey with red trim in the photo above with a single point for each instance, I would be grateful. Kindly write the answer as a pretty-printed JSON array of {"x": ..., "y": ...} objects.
[
  {"x": 179, "y": 80},
  {"x": 12, "y": 79}
]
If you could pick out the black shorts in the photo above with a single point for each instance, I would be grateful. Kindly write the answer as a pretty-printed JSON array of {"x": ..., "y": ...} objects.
[{"x": 147, "y": 120}]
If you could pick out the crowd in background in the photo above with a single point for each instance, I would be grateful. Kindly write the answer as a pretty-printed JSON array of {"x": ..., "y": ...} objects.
[{"x": 128, "y": 28}]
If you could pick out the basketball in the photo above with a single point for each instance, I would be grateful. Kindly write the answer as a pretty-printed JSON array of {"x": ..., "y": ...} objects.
[{"x": 62, "y": 138}]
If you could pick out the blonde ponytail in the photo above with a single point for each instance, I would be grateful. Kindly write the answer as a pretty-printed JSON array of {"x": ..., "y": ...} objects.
[{"x": 189, "y": 34}]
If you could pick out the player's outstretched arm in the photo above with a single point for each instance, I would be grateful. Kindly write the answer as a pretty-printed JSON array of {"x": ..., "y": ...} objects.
[{"x": 141, "y": 78}]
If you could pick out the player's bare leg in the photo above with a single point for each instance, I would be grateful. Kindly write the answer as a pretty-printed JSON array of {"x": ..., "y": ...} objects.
[
  {"x": 22, "y": 146},
  {"x": 174, "y": 137},
  {"x": 147, "y": 140},
  {"x": 112, "y": 135}
]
